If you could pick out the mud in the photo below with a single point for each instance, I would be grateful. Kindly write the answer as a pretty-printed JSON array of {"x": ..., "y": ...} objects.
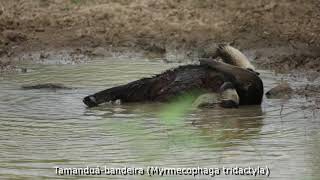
[
  {"x": 283, "y": 36},
  {"x": 156, "y": 25},
  {"x": 281, "y": 91}
]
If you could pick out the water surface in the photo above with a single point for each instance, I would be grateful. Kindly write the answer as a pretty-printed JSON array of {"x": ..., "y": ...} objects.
[{"x": 44, "y": 129}]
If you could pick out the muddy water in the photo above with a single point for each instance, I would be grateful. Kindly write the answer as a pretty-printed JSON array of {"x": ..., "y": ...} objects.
[{"x": 44, "y": 129}]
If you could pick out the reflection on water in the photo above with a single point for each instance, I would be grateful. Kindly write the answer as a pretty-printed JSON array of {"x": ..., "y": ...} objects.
[{"x": 42, "y": 129}]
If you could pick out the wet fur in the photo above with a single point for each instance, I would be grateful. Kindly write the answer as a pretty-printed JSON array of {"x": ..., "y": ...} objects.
[
  {"x": 181, "y": 80},
  {"x": 248, "y": 84}
]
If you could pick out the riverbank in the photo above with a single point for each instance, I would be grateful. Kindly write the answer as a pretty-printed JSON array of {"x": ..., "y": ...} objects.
[{"x": 282, "y": 35}]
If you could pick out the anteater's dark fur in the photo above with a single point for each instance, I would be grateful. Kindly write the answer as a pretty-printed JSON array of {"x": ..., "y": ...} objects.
[{"x": 180, "y": 80}]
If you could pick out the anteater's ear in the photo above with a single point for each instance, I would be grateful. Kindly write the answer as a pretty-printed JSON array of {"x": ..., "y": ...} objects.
[{"x": 253, "y": 71}]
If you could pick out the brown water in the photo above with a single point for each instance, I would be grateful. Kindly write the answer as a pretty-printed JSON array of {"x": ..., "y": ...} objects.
[{"x": 44, "y": 129}]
